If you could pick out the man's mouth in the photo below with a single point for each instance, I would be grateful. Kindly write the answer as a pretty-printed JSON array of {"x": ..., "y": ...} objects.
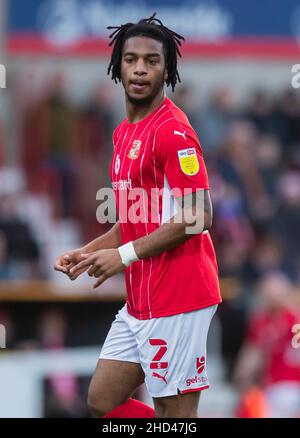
[{"x": 138, "y": 86}]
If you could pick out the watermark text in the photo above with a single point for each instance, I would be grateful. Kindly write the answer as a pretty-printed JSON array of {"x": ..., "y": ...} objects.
[
  {"x": 296, "y": 77},
  {"x": 296, "y": 338},
  {"x": 2, "y": 336},
  {"x": 156, "y": 206},
  {"x": 2, "y": 76}
]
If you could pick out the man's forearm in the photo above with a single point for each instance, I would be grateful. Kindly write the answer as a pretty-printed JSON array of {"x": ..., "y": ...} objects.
[
  {"x": 165, "y": 238},
  {"x": 109, "y": 240}
]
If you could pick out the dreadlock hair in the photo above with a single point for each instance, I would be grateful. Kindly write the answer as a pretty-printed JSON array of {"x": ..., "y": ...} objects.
[{"x": 151, "y": 28}]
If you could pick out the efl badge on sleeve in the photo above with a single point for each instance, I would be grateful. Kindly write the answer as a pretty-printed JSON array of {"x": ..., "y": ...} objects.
[
  {"x": 189, "y": 161},
  {"x": 135, "y": 150}
]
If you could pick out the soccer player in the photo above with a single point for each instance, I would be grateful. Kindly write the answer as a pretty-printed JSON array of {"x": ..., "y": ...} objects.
[{"x": 160, "y": 335}]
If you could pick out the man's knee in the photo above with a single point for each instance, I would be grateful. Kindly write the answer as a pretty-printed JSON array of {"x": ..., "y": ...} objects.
[
  {"x": 101, "y": 405},
  {"x": 97, "y": 407},
  {"x": 177, "y": 406},
  {"x": 106, "y": 392}
]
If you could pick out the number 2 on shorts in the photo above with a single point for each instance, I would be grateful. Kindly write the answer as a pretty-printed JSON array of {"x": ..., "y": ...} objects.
[{"x": 155, "y": 363}]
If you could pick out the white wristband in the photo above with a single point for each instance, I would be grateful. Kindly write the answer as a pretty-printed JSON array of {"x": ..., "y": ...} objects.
[{"x": 128, "y": 254}]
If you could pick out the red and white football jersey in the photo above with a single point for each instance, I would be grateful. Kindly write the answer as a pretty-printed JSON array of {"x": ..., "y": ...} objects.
[
  {"x": 272, "y": 333},
  {"x": 159, "y": 154}
]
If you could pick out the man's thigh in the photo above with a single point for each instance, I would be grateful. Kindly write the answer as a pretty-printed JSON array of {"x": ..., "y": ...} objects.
[
  {"x": 118, "y": 373},
  {"x": 113, "y": 383}
]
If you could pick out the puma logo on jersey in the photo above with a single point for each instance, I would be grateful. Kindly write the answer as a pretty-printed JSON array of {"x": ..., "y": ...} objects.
[
  {"x": 160, "y": 377},
  {"x": 180, "y": 133}
]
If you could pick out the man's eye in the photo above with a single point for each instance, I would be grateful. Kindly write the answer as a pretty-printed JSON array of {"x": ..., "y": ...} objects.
[
  {"x": 128, "y": 60},
  {"x": 153, "y": 61}
]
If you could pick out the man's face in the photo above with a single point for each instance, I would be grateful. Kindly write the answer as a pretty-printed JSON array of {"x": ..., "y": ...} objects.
[{"x": 143, "y": 69}]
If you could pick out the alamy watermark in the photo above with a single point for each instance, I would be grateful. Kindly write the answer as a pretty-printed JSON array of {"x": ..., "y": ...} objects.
[
  {"x": 2, "y": 337},
  {"x": 2, "y": 76},
  {"x": 137, "y": 205},
  {"x": 296, "y": 338},
  {"x": 296, "y": 77}
]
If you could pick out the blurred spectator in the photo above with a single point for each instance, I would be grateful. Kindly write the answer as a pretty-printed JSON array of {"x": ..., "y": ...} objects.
[
  {"x": 3, "y": 257},
  {"x": 287, "y": 220},
  {"x": 288, "y": 122},
  {"x": 12, "y": 180},
  {"x": 63, "y": 399},
  {"x": 238, "y": 164},
  {"x": 266, "y": 256},
  {"x": 184, "y": 97},
  {"x": 2, "y": 150},
  {"x": 232, "y": 230},
  {"x": 20, "y": 252},
  {"x": 261, "y": 112},
  {"x": 93, "y": 157},
  {"x": 267, "y": 358},
  {"x": 269, "y": 159},
  {"x": 212, "y": 124},
  {"x": 50, "y": 140},
  {"x": 70, "y": 145}
]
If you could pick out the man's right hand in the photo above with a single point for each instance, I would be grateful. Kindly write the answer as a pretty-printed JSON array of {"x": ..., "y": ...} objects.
[{"x": 68, "y": 260}]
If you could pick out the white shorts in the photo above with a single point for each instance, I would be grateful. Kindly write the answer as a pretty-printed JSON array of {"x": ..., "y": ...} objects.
[{"x": 171, "y": 350}]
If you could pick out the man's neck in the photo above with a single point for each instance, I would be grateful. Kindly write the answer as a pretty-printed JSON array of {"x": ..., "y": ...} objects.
[{"x": 136, "y": 113}]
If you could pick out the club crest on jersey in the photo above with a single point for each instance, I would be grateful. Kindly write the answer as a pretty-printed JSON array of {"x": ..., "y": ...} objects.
[
  {"x": 188, "y": 161},
  {"x": 135, "y": 150}
]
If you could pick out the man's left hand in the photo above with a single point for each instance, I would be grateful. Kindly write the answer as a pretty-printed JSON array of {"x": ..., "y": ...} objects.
[{"x": 103, "y": 265}]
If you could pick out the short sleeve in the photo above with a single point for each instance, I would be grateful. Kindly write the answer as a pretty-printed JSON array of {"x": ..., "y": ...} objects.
[{"x": 179, "y": 153}]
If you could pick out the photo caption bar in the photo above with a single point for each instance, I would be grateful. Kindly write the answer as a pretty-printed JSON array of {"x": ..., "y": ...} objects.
[{"x": 183, "y": 427}]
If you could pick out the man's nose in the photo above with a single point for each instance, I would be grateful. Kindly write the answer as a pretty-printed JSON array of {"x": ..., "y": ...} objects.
[{"x": 140, "y": 68}]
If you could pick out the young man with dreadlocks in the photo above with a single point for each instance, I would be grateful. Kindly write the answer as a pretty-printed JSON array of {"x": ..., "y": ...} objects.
[{"x": 160, "y": 335}]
